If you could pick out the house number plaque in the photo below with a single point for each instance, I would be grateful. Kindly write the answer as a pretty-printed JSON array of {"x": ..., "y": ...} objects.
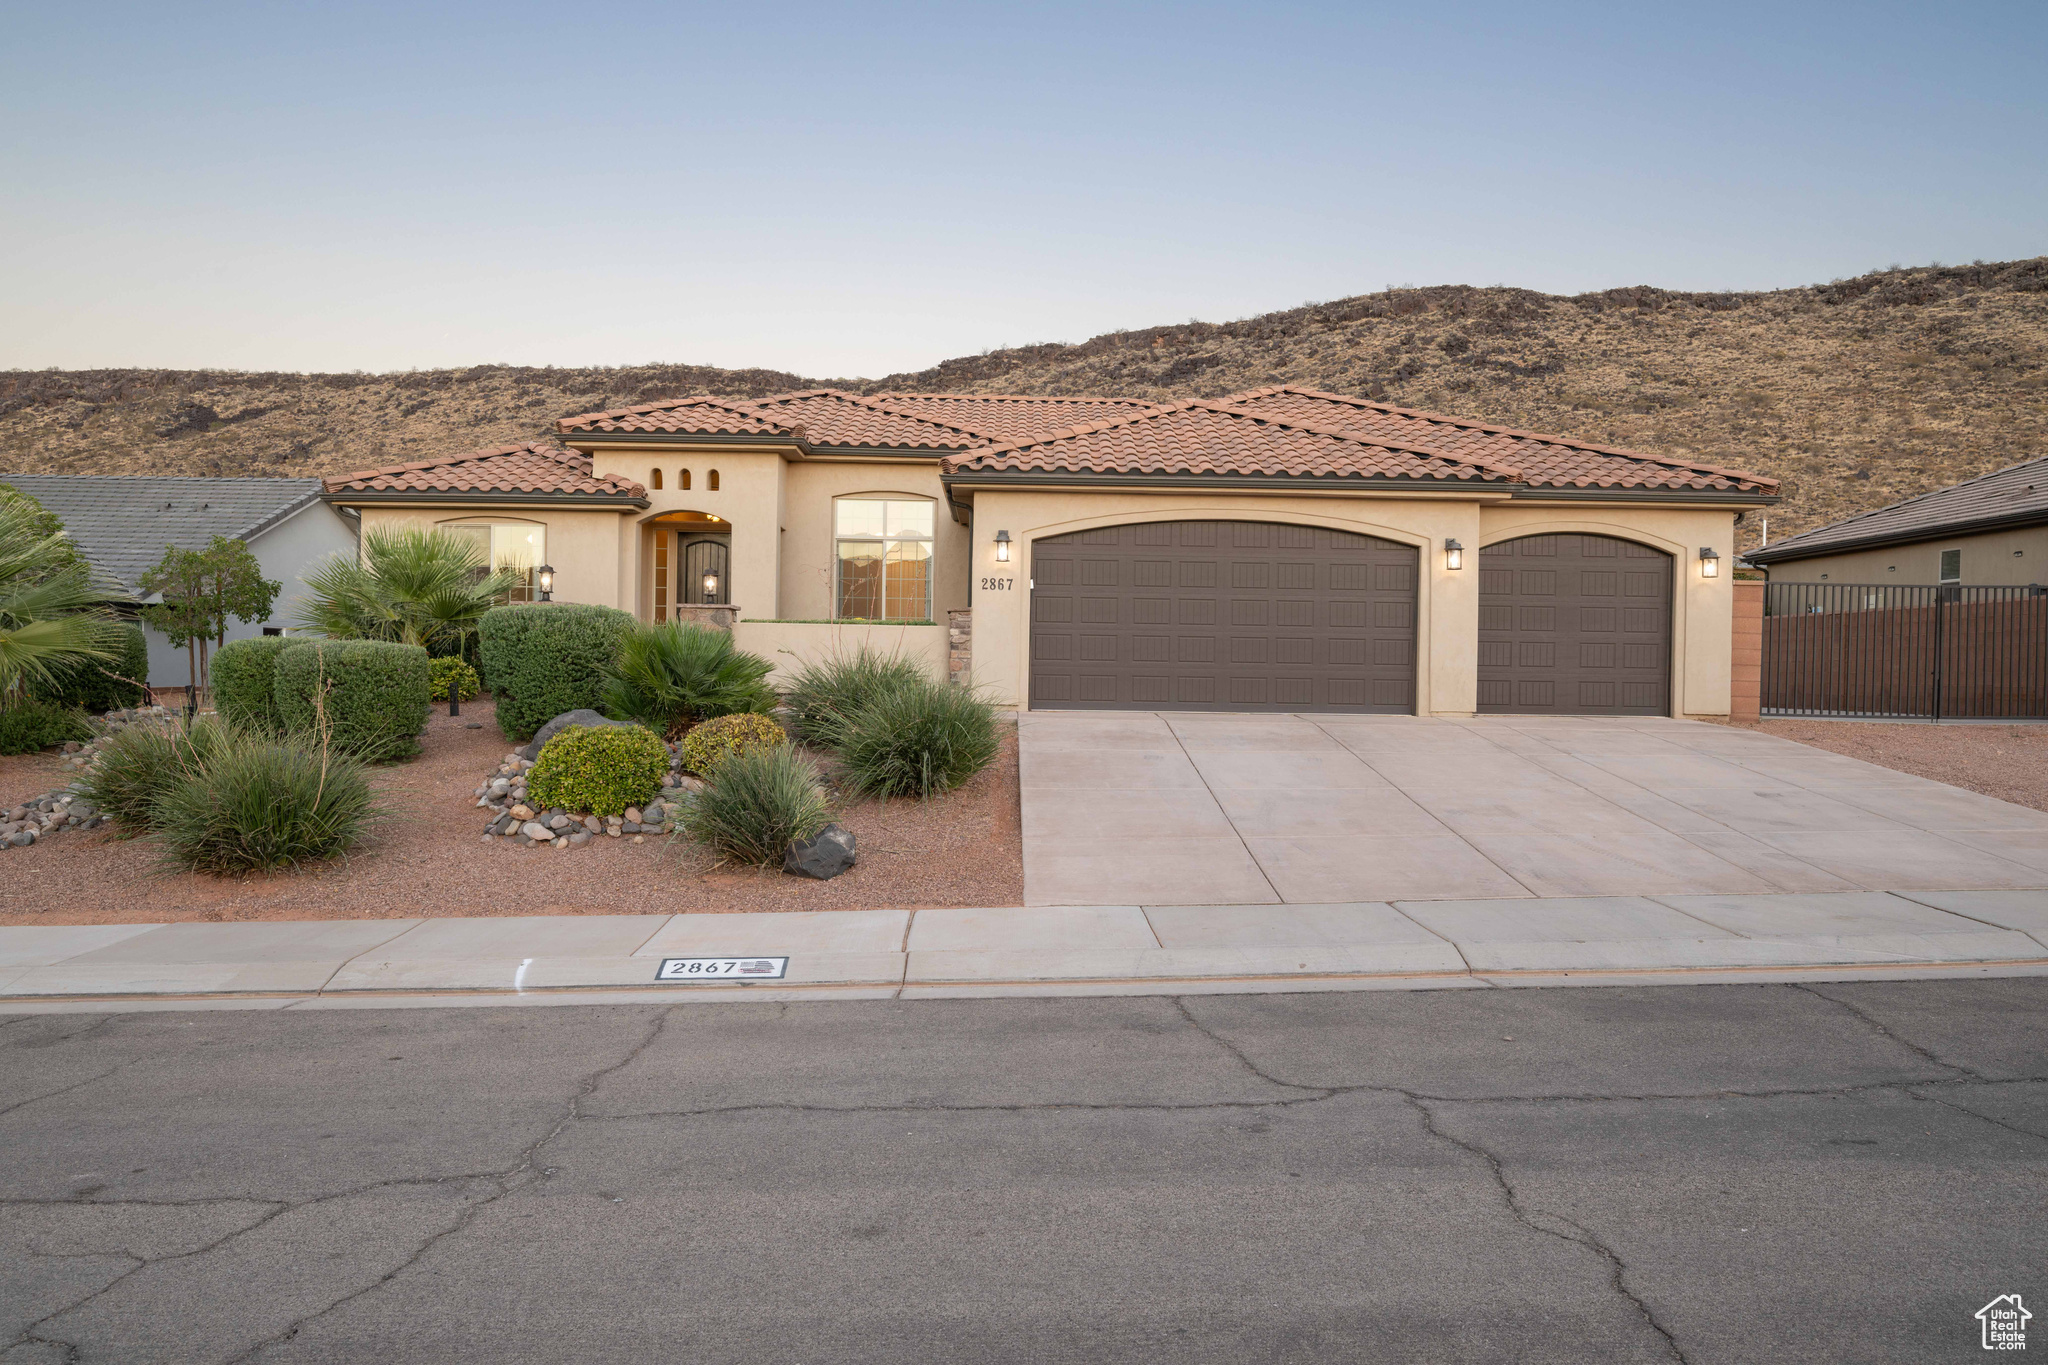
[{"x": 689, "y": 969}]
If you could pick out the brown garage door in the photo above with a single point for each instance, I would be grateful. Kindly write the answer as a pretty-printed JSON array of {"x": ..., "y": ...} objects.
[
  {"x": 1574, "y": 626},
  {"x": 1222, "y": 616}
]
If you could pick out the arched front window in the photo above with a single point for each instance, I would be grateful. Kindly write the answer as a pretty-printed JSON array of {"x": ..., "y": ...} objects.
[
  {"x": 883, "y": 558},
  {"x": 519, "y": 546}
]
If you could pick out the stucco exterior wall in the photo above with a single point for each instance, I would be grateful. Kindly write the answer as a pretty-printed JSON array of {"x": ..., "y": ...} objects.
[
  {"x": 807, "y": 542},
  {"x": 791, "y": 644},
  {"x": 581, "y": 544},
  {"x": 1994, "y": 559},
  {"x": 748, "y": 496},
  {"x": 1447, "y": 620}
]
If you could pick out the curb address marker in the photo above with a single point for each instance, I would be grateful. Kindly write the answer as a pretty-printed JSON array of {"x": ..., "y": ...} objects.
[{"x": 688, "y": 970}]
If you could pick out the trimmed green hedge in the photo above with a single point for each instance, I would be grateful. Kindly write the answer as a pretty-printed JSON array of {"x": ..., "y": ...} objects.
[
  {"x": 713, "y": 742},
  {"x": 94, "y": 685},
  {"x": 544, "y": 658},
  {"x": 244, "y": 676},
  {"x": 599, "y": 768},
  {"x": 376, "y": 694},
  {"x": 31, "y": 726}
]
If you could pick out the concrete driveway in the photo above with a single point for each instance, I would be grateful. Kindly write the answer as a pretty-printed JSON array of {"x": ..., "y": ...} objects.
[{"x": 1124, "y": 808}]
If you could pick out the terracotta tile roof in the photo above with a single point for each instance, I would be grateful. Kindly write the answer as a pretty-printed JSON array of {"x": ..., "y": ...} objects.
[
  {"x": 1545, "y": 461},
  {"x": 2012, "y": 496},
  {"x": 828, "y": 417},
  {"x": 1011, "y": 417},
  {"x": 1204, "y": 438},
  {"x": 698, "y": 416},
  {"x": 538, "y": 467}
]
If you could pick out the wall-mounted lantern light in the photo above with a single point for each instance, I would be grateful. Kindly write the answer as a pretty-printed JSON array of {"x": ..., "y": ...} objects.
[
  {"x": 1454, "y": 555},
  {"x": 1710, "y": 562},
  {"x": 1002, "y": 547},
  {"x": 710, "y": 586},
  {"x": 546, "y": 573}
]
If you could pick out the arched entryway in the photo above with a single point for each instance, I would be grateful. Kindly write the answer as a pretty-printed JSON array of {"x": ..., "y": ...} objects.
[
  {"x": 1222, "y": 616},
  {"x": 1574, "y": 625}
]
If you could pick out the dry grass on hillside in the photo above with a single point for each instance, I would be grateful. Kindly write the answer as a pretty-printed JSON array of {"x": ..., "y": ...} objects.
[{"x": 1855, "y": 394}]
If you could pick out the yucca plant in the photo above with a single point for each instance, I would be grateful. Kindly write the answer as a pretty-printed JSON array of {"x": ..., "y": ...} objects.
[
  {"x": 670, "y": 675},
  {"x": 411, "y": 586},
  {"x": 831, "y": 689},
  {"x": 756, "y": 804},
  {"x": 918, "y": 740},
  {"x": 138, "y": 765}
]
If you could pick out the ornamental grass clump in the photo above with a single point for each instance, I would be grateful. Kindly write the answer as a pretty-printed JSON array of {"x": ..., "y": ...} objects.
[
  {"x": 757, "y": 804},
  {"x": 829, "y": 690},
  {"x": 138, "y": 765},
  {"x": 598, "y": 768},
  {"x": 263, "y": 805},
  {"x": 918, "y": 740},
  {"x": 712, "y": 743},
  {"x": 672, "y": 675}
]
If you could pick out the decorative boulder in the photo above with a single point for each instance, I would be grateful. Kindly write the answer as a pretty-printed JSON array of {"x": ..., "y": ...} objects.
[
  {"x": 563, "y": 722},
  {"x": 824, "y": 857}
]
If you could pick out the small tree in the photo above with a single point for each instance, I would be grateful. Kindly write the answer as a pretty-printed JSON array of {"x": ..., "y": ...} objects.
[{"x": 199, "y": 591}]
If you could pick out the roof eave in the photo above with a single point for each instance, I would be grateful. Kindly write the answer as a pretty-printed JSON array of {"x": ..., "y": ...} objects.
[
  {"x": 1684, "y": 496},
  {"x": 1788, "y": 550},
  {"x": 391, "y": 497},
  {"x": 1460, "y": 489}
]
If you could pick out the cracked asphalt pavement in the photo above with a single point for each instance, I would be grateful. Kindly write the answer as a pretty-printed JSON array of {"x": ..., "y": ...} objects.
[{"x": 1704, "y": 1174}]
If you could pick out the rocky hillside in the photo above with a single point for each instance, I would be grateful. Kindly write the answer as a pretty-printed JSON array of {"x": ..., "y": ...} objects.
[{"x": 1855, "y": 393}]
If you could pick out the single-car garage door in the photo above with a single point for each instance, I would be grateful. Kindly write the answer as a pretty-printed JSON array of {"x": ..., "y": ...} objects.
[
  {"x": 1574, "y": 625},
  {"x": 1222, "y": 616}
]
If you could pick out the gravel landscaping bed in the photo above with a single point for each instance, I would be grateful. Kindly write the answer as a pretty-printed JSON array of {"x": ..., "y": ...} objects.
[
  {"x": 2009, "y": 762},
  {"x": 962, "y": 849}
]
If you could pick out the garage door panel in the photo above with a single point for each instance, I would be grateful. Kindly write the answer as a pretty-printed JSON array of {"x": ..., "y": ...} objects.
[
  {"x": 1584, "y": 630},
  {"x": 1258, "y": 616}
]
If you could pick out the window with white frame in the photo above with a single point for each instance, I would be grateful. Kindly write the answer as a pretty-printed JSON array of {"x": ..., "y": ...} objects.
[
  {"x": 520, "y": 547},
  {"x": 882, "y": 558}
]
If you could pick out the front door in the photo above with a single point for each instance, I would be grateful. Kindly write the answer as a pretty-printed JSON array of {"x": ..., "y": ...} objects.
[{"x": 706, "y": 580}]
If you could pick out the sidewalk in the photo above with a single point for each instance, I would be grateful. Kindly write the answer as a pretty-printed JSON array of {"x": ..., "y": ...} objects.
[{"x": 1085, "y": 950}]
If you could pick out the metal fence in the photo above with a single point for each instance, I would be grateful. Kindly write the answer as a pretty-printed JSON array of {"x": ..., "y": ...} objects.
[{"x": 1886, "y": 652}]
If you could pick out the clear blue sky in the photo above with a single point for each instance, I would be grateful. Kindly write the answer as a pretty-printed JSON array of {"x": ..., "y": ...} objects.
[{"x": 851, "y": 190}]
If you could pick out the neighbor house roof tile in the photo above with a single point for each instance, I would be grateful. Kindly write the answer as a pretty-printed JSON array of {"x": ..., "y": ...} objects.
[
  {"x": 2018, "y": 493},
  {"x": 537, "y": 467},
  {"x": 1545, "y": 461},
  {"x": 1203, "y": 438}
]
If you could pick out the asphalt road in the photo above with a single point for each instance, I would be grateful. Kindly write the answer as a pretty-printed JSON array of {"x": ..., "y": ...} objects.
[{"x": 1721, "y": 1173}]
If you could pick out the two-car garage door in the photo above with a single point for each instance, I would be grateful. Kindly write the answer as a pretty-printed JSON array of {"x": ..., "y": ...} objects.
[
  {"x": 1222, "y": 616},
  {"x": 1259, "y": 616}
]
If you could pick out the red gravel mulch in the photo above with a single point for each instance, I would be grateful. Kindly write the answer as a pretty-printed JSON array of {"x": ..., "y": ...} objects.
[
  {"x": 964, "y": 848},
  {"x": 2009, "y": 762}
]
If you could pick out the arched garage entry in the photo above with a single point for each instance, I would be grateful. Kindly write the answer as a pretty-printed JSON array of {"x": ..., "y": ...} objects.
[
  {"x": 1222, "y": 616},
  {"x": 1574, "y": 625}
]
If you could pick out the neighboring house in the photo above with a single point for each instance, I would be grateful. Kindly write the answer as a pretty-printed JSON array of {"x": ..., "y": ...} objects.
[
  {"x": 1280, "y": 550},
  {"x": 1985, "y": 532},
  {"x": 122, "y": 526}
]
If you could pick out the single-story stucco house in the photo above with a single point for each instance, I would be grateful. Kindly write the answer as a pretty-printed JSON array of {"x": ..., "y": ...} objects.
[
  {"x": 1277, "y": 550},
  {"x": 123, "y": 524},
  {"x": 1990, "y": 531}
]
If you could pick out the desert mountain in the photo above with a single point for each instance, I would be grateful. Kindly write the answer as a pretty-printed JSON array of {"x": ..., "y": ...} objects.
[{"x": 1854, "y": 393}]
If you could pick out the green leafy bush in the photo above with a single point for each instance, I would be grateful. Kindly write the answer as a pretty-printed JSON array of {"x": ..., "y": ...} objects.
[
  {"x": 136, "y": 766},
  {"x": 598, "y": 768},
  {"x": 441, "y": 674},
  {"x": 259, "y": 804},
  {"x": 834, "y": 688},
  {"x": 914, "y": 741},
  {"x": 544, "y": 658},
  {"x": 29, "y": 726},
  {"x": 672, "y": 674},
  {"x": 368, "y": 698},
  {"x": 756, "y": 804},
  {"x": 245, "y": 682},
  {"x": 715, "y": 741},
  {"x": 99, "y": 685}
]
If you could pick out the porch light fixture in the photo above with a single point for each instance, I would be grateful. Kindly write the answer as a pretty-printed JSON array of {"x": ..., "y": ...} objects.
[
  {"x": 1454, "y": 555},
  {"x": 1710, "y": 562},
  {"x": 710, "y": 585},
  {"x": 1002, "y": 547},
  {"x": 546, "y": 574}
]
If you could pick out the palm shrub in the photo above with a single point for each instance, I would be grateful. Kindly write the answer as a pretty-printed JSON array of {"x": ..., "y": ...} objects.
[
  {"x": 757, "y": 804},
  {"x": 29, "y": 726},
  {"x": 715, "y": 741},
  {"x": 598, "y": 768},
  {"x": 136, "y": 766},
  {"x": 917, "y": 740},
  {"x": 450, "y": 671},
  {"x": 830, "y": 689},
  {"x": 52, "y": 615},
  {"x": 368, "y": 698},
  {"x": 544, "y": 658},
  {"x": 670, "y": 675},
  {"x": 95, "y": 686},
  {"x": 410, "y": 586},
  {"x": 259, "y": 805},
  {"x": 245, "y": 682}
]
